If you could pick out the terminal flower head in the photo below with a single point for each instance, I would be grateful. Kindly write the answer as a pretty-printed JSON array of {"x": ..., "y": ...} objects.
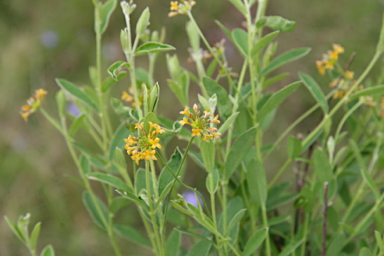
[
  {"x": 181, "y": 7},
  {"x": 33, "y": 104},
  {"x": 201, "y": 124},
  {"x": 329, "y": 59},
  {"x": 143, "y": 146}
]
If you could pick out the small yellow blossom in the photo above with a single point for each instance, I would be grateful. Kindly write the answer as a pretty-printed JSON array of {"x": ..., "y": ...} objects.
[
  {"x": 349, "y": 74},
  {"x": 338, "y": 49},
  {"x": 201, "y": 124},
  {"x": 126, "y": 97},
  {"x": 329, "y": 59},
  {"x": 143, "y": 146},
  {"x": 174, "y": 5},
  {"x": 181, "y": 8},
  {"x": 33, "y": 104}
]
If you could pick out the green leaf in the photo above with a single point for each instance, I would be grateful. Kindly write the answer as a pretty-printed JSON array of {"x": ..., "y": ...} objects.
[
  {"x": 150, "y": 117},
  {"x": 379, "y": 241},
  {"x": 106, "y": 11},
  {"x": 212, "y": 181},
  {"x": 165, "y": 176},
  {"x": 322, "y": 165},
  {"x": 370, "y": 91},
  {"x": 224, "y": 29},
  {"x": 284, "y": 58},
  {"x": 239, "y": 5},
  {"x": 365, "y": 252},
  {"x": 93, "y": 212},
  {"x": 236, "y": 219},
  {"x": 15, "y": 229},
  {"x": 277, "y": 23},
  {"x": 294, "y": 147},
  {"x": 48, "y": 251},
  {"x": 173, "y": 243},
  {"x": 143, "y": 22},
  {"x": 336, "y": 245},
  {"x": 109, "y": 179},
  {"x": 224, "y": 104},
  {"x": 223, "y": 128},
  {"x": 77, "y": 93},
  {"x": 118, "y": 68},
  {"x": 315, "y": 90},
  {"x": 239, "y": 149},
  {"x": 276, "y": 99},
  {"x": 117, "y": 142},
  {"x": 291, "y": 247},
  {"x": 152, "y": 47},
  {"x": 34, "y": 236},
  {"x": 61, "y": 102},
  {"x": 117, "y": 204},
  {"x": 130, "y": 196},
  {"x": 263, "y": 42},
  {"x": 240, "y": 37},
  {"x": 75, "y": 126},
  {"x": 257, "y": 182},
  {"x": 274, "y": 79},
  {"x": 154, "y": 97},
  {"x": 96, "y": 160},
  {"x": 203, "y": 101},
  {"x": 255, "y": 241},
  {"x": 131, "y": 234},
  {"x": 200, "y": 249},
  {"x": 193, "y": 36},
  {"x": 194, "y": 234},
  {"x": 207, "y": 150}
]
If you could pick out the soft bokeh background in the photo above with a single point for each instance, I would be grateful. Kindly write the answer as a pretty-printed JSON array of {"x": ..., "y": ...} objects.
[{"x": 42, "y": 40}]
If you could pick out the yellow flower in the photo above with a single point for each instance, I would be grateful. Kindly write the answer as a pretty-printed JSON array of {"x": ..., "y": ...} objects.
[
  {"x": 201, "y": 125},
  {"x": 174, "y": 5},
  {"x": 33, "y": 104},
  {"x": 349, "y": 74},
  {"x": 337, "y": 48},
  {"x": 126, "y": 97},
  {"x": 142, "y": 147}
]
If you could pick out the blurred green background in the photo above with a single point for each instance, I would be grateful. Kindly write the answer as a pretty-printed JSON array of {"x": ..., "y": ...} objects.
[{"x": 42, "y": 40}]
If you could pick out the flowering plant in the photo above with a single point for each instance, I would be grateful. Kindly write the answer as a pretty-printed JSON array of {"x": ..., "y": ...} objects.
[{"x": 245, "y": 208}]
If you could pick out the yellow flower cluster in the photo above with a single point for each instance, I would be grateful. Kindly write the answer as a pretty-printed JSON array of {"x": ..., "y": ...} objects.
[
  {"x": 144, "y": 145},
  {"x": 127, "y": 96},
  {"x": 180, "y": 8},
  {"x": 201, "y": 125},
  {"x": 33, "y": 103},
  {"x": 329, "y": 59}
]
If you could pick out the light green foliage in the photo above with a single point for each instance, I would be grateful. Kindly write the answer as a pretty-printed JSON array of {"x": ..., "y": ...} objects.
[{"x": 238, "y": 205}]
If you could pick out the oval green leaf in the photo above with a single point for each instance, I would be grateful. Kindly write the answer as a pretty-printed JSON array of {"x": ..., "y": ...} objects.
[
  {"x": 152, "y": 47},
  {"x": 315, "y": 90}
]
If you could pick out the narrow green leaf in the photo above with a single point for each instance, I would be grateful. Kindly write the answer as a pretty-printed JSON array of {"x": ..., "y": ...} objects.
[
  {"x": 274, "y": 79},
  {"x": 223, "y": 102},
  {"x": 194, "y": 234},
  {"x": 223, "y": 128},
  {"x": 165, "y": 176},
  {"x": 379, "y": 240},
  {"x": 284, "y": 58},
  {"x": 117, "y": 141},
  {"x": 224, "y": 29},
  {"x": 236, "y": 219},
  {"x": 255, "y": 241},
  {"x": 154, "y": 97},
  {"x": 193, "y": 36},
  {"x": 322, "y": 165},
  {"x": 336, "y": 245},
  {"x": 84, "y": 164},
  {"x": 150, "y": 117},
  {"x": 263, "y": 42},
  {"x": 130, "y": 196},
  {"x": 131, "y": 234},
  {"x": 239, "y": 5},
  {"x": 315, "y": 90},
  {"x": 173, "y": 243},
  {"x": 93, "y": 212},
  {"x": 277, "y": 23},
  {"x": 48, "y": 251},
  {"x": 61, "y": 102},
  {"x": 294, "y": 147},
  {"x": 117, "y": 68},
  {"x": 291, "y": 247},
  {"x": 240, "y": 37},
  {"x": 152, "y": 47},
  {"x": 34, "y": 236},
  {"x": 203, "y": 101},
  {"x": 106, "y": 12},
  {"x": 109, "y": 179},
  {"x": 143, "y": 22},
  {"x": 212, "y": 181},
  {"x": 257, "y": 182},
  {"x": 15, "y": 229},
  {"x": 77, "y": 93},
  {"x": 238, "y": 151},
  {"x": 200, "y": 249},
  {"x": 117, "y": 204},
  {"x": 207, "y": 150},
  {"x": 276, "y": 99},
  {"x": 75, "y": 126},
  {"x": 370, "y": 91}
]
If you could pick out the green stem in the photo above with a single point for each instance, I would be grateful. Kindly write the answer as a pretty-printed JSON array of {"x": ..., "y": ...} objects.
[
  {"x": 279, "y": 173},
  {"x": 265, "y": 222},
  {"x": 344, "y": 119}
]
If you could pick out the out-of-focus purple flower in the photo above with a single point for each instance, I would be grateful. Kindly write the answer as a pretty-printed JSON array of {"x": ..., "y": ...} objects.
[
  {"x": 191, "y": 198},
  {"x": 73, "y": 110},
  {"x": 49, "y": 39}
]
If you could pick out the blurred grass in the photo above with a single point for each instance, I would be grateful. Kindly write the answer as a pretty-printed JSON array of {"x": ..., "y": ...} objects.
[{"x": 34, "y": 160}]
